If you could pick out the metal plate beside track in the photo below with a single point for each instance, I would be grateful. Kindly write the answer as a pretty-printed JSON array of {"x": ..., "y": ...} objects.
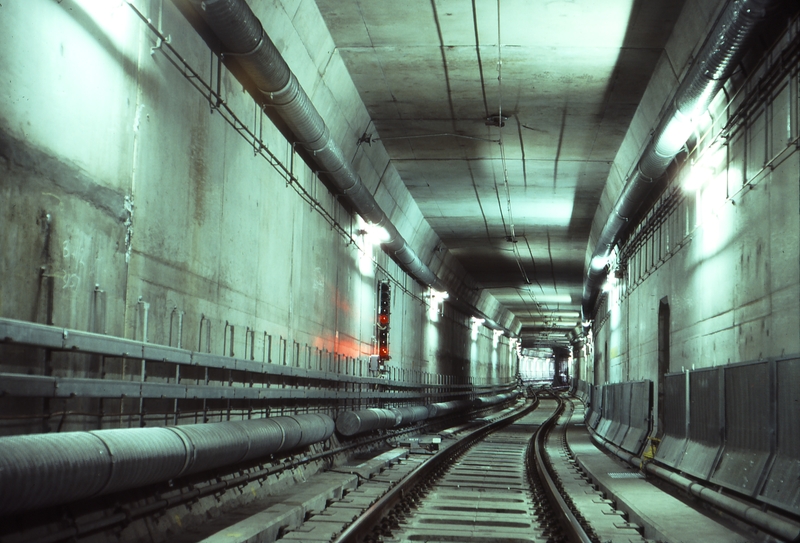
[
  {"x": 616, "y": 393},
  {"x": 747, "y": 427},
  {"x": 624, "y": 413},
  {"x": 782, "y": 486},
  {"x": 596, "y": 403},
  {"x": 673, "y": 443},
  {"x": 607, "y": 413},
  {"x": 705, "y": 423},
  {"x": 640, "y": 418}
]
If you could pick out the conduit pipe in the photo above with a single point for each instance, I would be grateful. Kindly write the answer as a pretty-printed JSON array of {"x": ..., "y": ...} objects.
[
  {"x": 351, "y": 423},
  {"x": 242, "y": 35},
  {"x": 48, "y": 469},
  {"x": 721, "y": 52},
  {"x": 783, "y": 529},
  {"x": 445, "y": 408}
]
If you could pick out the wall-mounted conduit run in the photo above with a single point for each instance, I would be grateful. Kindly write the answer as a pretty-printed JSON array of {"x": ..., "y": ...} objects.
[
  {"x": 719, "y": 56},
  {"x": 48, "y": 469},
  {"x": 242, "y": 34}
]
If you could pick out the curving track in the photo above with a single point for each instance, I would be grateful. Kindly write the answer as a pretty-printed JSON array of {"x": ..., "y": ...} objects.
[
  {"x": 492, "y": 489},
  {"x": 485, "y": 495}
]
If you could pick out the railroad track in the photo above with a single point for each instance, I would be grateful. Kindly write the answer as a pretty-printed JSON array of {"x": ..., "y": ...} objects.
[
  {"x": 489, "y": 484},
  {"x": 484, "y": 495}
]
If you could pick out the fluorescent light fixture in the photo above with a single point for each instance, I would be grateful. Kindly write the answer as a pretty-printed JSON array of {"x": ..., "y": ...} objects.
[
  {"x": 476, "y": 325},
  {"x": 437, "y": 299},
  {"x": 496, "y": 335}
]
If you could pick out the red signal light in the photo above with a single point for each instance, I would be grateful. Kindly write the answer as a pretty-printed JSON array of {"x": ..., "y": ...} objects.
[{"x": 383, "y": 320}]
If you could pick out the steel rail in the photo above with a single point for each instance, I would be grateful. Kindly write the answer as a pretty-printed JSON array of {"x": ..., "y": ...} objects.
[
  {"x": 120, "y": 514},
  {"x": 572, "y": 526},
  {"x": 372, "y": 516}
]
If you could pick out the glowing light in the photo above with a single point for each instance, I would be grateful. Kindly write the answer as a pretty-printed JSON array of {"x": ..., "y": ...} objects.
[
  {"x": 599, "y": 262},
  {"x": 496, "y": 335},
  {"x": 553, "y": 298},
  {"x": 437, "y": 299},
  {"x": 476, "y": 326},
  {"x": 375, "y": 234},
  {"x": 698, "y": 176},
  {"x": 675, "y": 135}
]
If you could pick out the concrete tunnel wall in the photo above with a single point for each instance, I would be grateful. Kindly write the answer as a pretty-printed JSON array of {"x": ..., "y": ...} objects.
[
  {"x": 726, "y": 259},
  {"x": 131, "y": 209}
]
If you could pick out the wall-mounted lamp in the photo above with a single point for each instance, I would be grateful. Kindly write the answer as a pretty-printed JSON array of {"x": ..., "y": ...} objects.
[
  {"x": 374, "y": 233},
  {"x": 476, "y": 325},
  {"x": 437, "y": 299},
  {"x": 698, "y": 176},
  {"x": 496, "y": 335}
]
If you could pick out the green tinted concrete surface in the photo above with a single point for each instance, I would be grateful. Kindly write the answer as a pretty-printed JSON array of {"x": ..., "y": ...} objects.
[{"x": 664, "y": 517}]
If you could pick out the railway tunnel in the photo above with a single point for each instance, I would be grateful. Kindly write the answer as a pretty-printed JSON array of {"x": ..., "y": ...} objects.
[{"x": 256, "y": 254}]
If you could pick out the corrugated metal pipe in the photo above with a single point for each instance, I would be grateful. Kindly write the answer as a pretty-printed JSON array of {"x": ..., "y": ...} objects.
[
  {"x": 721, "y": 52},
  {"x": 41, "y": 470},
  {"x": 351, "y": 423},
  {"x": 242, "y": 34}
]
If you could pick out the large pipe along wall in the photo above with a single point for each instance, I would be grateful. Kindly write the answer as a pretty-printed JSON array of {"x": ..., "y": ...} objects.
[{"x": 48, "y": 469}]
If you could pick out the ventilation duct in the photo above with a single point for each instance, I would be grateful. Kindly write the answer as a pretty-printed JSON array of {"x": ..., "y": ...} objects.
[
  {"x": 242, "y": 35},
  {"x": 721, "y": 52}
]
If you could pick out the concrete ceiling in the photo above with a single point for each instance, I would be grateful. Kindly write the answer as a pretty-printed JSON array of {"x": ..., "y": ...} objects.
[{"x": 515, "y": 203}]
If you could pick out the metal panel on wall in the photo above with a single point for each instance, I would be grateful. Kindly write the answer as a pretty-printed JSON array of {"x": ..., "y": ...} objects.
[
  {"x": 673, "y": 442},
  {"x": 640, "y": 416},
  {"x": 612, "y": 411},
  {"x": 623, "y": 413},
  {"x": 747, "y": 427},
  {"x": 597, "y": 406},
  {"x": 782, "y": 487},
  {"x": 609, "y": 407},
  {"x": 705, "y": 423}
]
